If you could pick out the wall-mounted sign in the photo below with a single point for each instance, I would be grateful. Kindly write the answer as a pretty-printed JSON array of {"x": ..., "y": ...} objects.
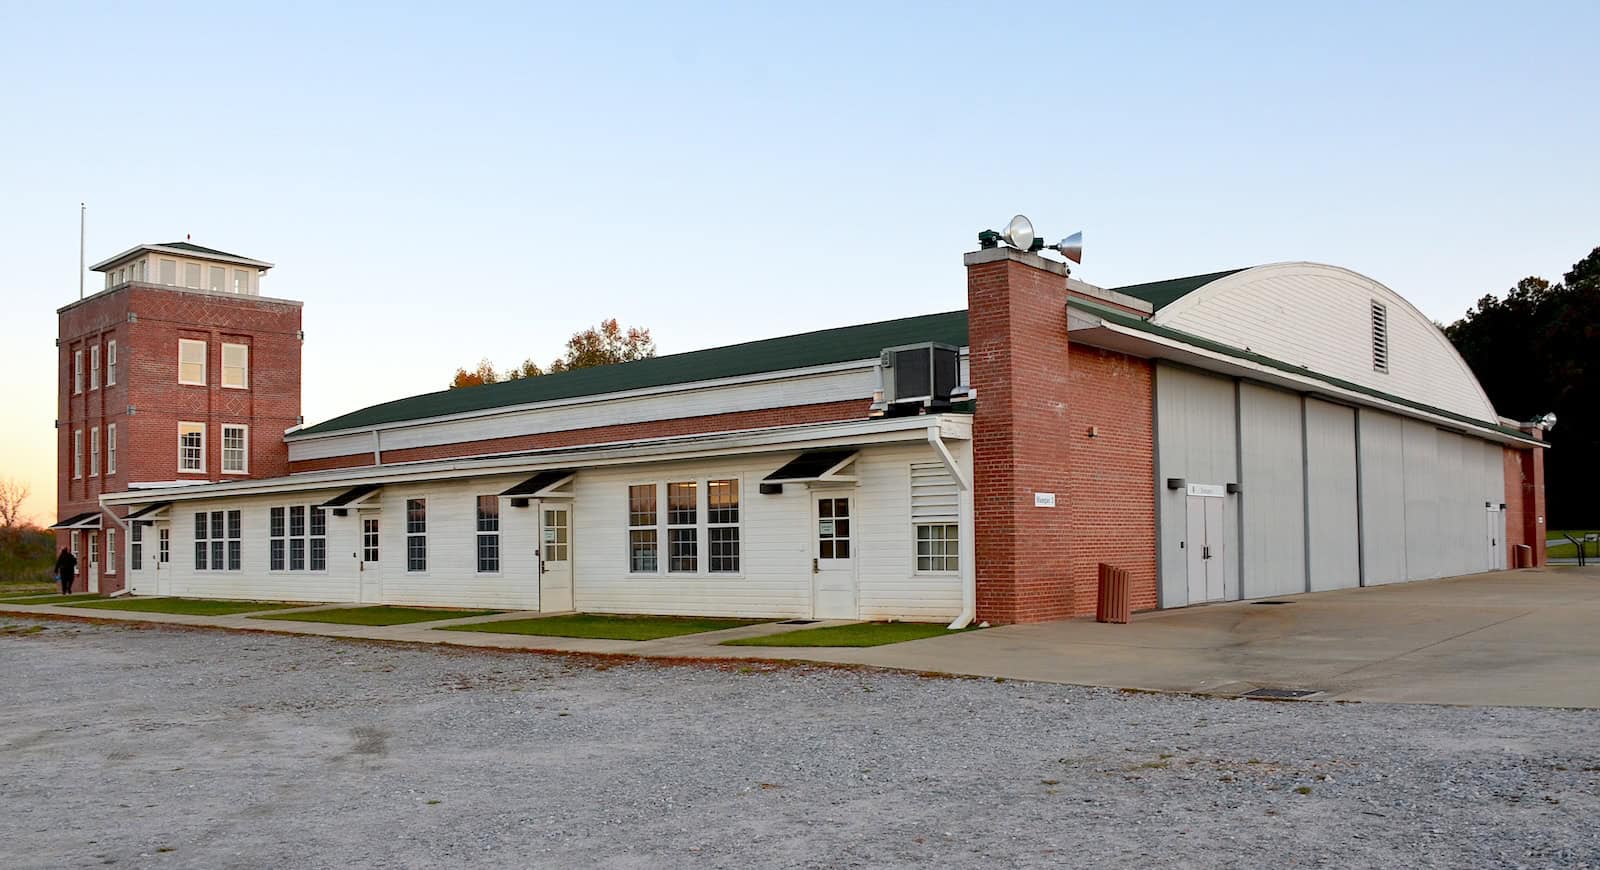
[
  {"x": 549, "y": 536},
  {"x": 825, "y": 528},
  {"x": 1208, "y": 490},
  {"x": 1044, "y": 499}
]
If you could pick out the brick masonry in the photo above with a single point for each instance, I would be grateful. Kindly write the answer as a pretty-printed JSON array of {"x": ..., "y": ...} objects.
[
  {"x": 1525, "y": 504},
  {"x": 146, "y": 322}
]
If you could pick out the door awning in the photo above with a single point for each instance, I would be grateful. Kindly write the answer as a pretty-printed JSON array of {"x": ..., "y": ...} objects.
[
  {"x": 90, "y": 520},
  {"x": 351, "y": 497},
  {"x": 150, "y": 512},
  {"x": 813, "y": 466},
  {"x": 541, "y": 483}
]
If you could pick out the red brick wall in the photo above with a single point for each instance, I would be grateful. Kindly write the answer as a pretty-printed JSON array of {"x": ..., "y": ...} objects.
[
  {"x": 854, "y": 409},
  {"x": 1525, "y": 517},
  {"x": 1017, "y": 332},
  {"x": 1516, "y": 505},
  {"x": 1113, "y": 501},
  {"x": 146, "y": 322}
]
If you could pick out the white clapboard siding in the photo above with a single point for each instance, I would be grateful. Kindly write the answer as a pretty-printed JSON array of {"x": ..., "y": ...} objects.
[{"x": 254, "y": 580}]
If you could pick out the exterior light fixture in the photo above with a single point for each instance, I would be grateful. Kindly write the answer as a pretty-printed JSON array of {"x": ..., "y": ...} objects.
[
  {"x": 1070, "y": 247},
  {"x": 1548, "y": 422},
  {"x": 1019, "y": 234}
]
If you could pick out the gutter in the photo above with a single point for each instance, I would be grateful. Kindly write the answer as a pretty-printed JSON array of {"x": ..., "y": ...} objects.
[{"x": 969, "y": 578}]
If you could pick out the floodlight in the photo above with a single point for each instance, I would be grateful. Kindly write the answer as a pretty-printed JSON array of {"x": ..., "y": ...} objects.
[
  {"x": 1548, "y": 421},
  {"x": 1070, "y": 247},
  {"x": 1019, "y": 233}
]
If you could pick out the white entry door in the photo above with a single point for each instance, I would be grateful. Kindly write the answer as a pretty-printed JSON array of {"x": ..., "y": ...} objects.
[
  {"x": 371, "y": 566},
  {"x": 555, "y": 557},
  {"x": 1497, "y": 538},
  {"x": 163, "y": 558},
  {"x": 1204, "y": 548},
  {"x": 141, "y": 561},
  {"x": 833, "y": 557}
]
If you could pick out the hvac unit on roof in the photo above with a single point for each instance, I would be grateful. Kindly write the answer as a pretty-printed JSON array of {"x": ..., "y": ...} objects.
[{"x": 919, "y": 376}]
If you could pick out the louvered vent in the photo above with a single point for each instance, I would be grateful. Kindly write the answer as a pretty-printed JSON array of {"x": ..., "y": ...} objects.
[
  {"x": 933, "y": 494},
  {"x": 1380, "y": 338}
]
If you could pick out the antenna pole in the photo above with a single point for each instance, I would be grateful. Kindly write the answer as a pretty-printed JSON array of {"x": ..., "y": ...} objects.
[{"x": 82, "y": 209}]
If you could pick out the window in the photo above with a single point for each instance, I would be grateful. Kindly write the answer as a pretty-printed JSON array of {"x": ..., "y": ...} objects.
[
  {"x": 241, "y": 281},
  {"x": 683, "y": 529},
  {"x": 202, "y": 534},
  {"x": 164, "y": 545},
  {"x": 77, "y": 372},
  {"x": 75, "y": 551},
  {"x": 94, "y": 553},
  {"x": 139, "y": 272},
  {"x": 416, "y": 534},
  {"x": 217, "y": 541},
  {"x": 642, "y": 530},
  {"x": 235, "y": 366},
  {"x": 369, "y": 539},
  {"x": 94, "y": 451},
  {"x": 192, "y": 447},
  {"x": 111, "y": 449},
  {"x": 219, "y": 279},
  {"x": 169, "y": 272},
  {"x": 235, "y": 449},
  {"x": 488, "y": 534},
  {"x": 191, "y": 362},
  {"x": 94, "y": 366},
  {"x": 935, "y": 513},
  {"x": 136, "y": 546},
  {"x": 275, "y": 538},
  {"x": 1380, "y": 338},
  {"x": 191, "y": 275},
  {"x": 556, "y": 533},
  {"x": 235, "y": 540},
  {"x": 833, "y": 528},
  {"x": 77, "y": 454},
  {"x": 319, "y": 539},
  {"x": 722, "y": 526},
  {"x": 297, "y": 537},
  {"x": 111, "y": 551},
  {"x": 111, "y": 363}
]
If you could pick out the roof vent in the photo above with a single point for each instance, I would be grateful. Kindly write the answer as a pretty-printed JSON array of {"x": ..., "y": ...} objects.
[
  {"x": 918, "y": 376},
  {"x": 1380, "y": 338}
]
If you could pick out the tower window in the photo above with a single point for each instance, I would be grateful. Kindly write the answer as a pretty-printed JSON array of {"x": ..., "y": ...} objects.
[
  {"x": 236, "y": 366},
  {"x": 169, "y": 272},
  {"x": 191, "y": 362},
  {"x": 1380, "y": 338},
  {"x": 192, "y": 448}
]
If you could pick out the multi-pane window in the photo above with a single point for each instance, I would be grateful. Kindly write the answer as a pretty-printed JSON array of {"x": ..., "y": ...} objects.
[
  {"x": 416, "y": 534},
  {"x": 94, "y": 553},
  {"x": 369, "y": 539},
  {"x": 642, "y": 528},
  {"x": 94, "y": 451},
  {"x": 277, "y": 535},
  {"x": 192, "y": 447},
  {"x": 488, "y": 534},
  {"x": 935, "y": 512},
  {"x": 556, "y": 531},
  {"x": 722, "y": 526},
  {"x": 202, "y": 537},
  {"x": 111, "y": 363},
  {"x": 94, "y": 366},
  {"x": 938, "y": 547},
  {"x": 75, "y": 550},
  {"x": 235, "y": 449},
  {"x": 191, "y": 362},
  {"x": 164, "y": 545},
  {"x": 77, "y": 453},
  {"x": 683, "y": 527},
  {"x": 77, "y": 371},
  {"x": 236, "y": 366},
  {"x": 833, "y": 528},
  {"x": 297, "y": 538},
  {"x": 318, "y": 543},
  {"x": 111, "y": 448},
  {"x": 235, "y": 540},
  {"x": 136, "y": 546},
  {"x": 217, "y": 541},
  {"x": 111, "y": 551}
]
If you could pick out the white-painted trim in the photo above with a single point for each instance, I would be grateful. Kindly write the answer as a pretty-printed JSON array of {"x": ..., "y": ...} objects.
[
  {"x": 223, "y": 444},
  {"x": 205, "y": 362},
  {"x": 117, "y": 259}
]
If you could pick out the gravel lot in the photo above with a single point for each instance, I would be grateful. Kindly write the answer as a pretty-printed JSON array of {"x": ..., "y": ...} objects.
[{"x": 165, "y": 748}]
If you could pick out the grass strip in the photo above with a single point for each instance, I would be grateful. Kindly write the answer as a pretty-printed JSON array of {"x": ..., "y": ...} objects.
[
  {"x": 377, "y": 615},
  {"x": 55, "y": 599},
  {"x": 185, "y": 606},
  {"x": 598, "y": 626},
  {"x": 857, "y": 634}
]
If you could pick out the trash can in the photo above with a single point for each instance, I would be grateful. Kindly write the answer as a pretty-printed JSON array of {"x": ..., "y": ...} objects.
[
  {"x": 1524, "y": 556},
  {"x": 1114, "y": 604}
]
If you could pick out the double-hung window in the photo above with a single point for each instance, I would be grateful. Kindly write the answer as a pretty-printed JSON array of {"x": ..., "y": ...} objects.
[
  {"x": 643, "y": 530},
  {"x": 111, "y": 551},
  {"x": 136, "y": 546},
  {"x": 94, "y": 451},
  {"x": 297, "y": 537},
  {"x": 94, "y": 366},
  {"x": 75, "y": 551},
  {"x": 77, "y": 372},
  {"x": 488, "y": 534},
  {"x": 318, "y": 543},
  {"x": 77, "y": 453},
  {"x": 241, "y": 281},
  {"x": 191, "y": 275},
  {"x": 236, "y": 366},
  {"x": 191, "y": 362},
  {"x": 235, "y": 540},
  {"x": 192, "y": 448},
  {"x": 217, "y": 541},
  {"x": 722, "y": 526},
  {"x": 111, "y": 363},
  {"x": 683, "y": 528},
  {"x": 416, "y": 534},
  {"x": 235, "y": 449},
  {"x": 202, "y": 541},
  {"x": 277, "y": 535},
  {"x": 935, "y": 515},
  {"x": 218, "y": 276},
  {"x": 111, "y": 448}
]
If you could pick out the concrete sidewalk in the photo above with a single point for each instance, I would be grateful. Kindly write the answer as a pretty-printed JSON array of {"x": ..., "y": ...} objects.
[{"x": 1518, "y": 638}]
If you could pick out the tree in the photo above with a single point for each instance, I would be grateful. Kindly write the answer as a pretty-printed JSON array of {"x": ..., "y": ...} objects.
[
  {"x": 13, "y": 493},
  {"x": 603, "y": 345},
  {"x": 1536, "y": 351}
]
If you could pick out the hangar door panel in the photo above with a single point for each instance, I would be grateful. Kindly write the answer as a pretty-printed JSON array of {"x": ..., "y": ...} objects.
[
  {"x": 1273, "y": 475},
  {"x": 1419, "y": 446},
  {"x": 1333, "y": 544},
  {"x": 1383, "y": 498},
  {"x": 1195, "y": 441}
]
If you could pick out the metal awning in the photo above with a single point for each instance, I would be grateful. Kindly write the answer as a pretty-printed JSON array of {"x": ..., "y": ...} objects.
[
  {"x": 150, "y": 512},
  {"x": 351, "y": 497},
  {"x": 813, "y": 466},
  {"x": 90, "y": 520},
  {"x": 541, "y": 483}
]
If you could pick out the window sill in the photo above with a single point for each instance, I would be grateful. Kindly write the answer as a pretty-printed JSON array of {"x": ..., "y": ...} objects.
[
  {"x": 236, "y": 473},
  {"x": 193, "y": 384}
]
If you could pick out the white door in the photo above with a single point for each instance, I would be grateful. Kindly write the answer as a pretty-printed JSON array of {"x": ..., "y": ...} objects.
[
  {"x": 371, "y": 566},
  {"x": 833, "y": 563},
  {"x": 555, "y": 557},
  {"x": 1203, "y": 548},
  {"x": 141, "y": 564},
  {"x": 163, "y": 558},
  {"x": 1497, "y": 538}
]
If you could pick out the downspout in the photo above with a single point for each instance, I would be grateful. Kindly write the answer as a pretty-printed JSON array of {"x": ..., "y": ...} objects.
[{"x": 969, "y": 579}]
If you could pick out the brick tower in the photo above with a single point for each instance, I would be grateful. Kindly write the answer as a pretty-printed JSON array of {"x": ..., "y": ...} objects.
[{"x": 179, "y": 371}]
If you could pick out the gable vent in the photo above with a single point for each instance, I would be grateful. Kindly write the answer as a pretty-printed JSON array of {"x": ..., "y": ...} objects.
[
  {"x": 934, "y": 494},
  {"x": 1380, "y": 338}
]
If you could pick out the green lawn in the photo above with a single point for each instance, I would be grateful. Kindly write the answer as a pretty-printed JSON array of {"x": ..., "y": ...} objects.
[
  {"x": 53, "y": 599},
  {"x": 606, "y": 627},
  {"x": 858, "y": 634},
  {"x": 26, "y": 590},
  {"x": 185, "y": 606},
  {"x": 377, "y": 615},
  {"x": 1565, "y": 550}
]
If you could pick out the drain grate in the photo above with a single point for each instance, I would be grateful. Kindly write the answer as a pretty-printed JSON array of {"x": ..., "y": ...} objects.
[
  {"x": 1272, "y": 602},
  {"x": 1269, "y": 692},
  {"x": 800, "y": 622}
]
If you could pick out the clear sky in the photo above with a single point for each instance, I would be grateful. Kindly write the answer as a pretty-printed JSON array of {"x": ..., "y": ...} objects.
[{"x": 457, "y": 180}]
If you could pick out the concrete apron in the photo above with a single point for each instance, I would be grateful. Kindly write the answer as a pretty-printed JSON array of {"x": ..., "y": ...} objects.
[{"x": 1513, "y": 638}]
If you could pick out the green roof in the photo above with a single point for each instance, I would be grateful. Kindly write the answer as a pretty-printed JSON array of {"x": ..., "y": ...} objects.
[
  {"x": 1160, "y": 294},
  {"x": 197, "y": 249},
  {"x": 845, "y": 344}
]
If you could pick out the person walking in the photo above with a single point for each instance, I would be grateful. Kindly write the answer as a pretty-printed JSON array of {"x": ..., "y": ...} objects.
[{"x": 66, "y": 569}]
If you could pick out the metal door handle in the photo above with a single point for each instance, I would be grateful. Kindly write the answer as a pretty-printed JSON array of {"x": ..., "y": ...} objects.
[
  {"x": 813, "y": 566},
  {"x": 1205, "y": 552}
]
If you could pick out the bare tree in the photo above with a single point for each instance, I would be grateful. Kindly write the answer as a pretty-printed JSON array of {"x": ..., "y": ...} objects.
[{"x": 13, "y": 493}]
